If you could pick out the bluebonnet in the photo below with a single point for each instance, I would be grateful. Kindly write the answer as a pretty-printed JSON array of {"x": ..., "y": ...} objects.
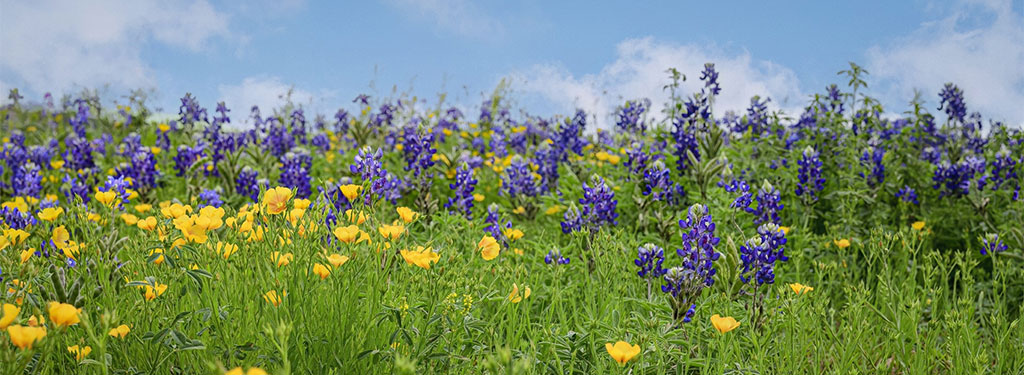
[
  {"x": 686, "y": 282},
  {"x": 809, "y": 174},
  {"x": 757, "y": 117},
  {"x": 298, "y": 125},
  {"x": 760, "y": 253},
  {"x": 555, "y": 257},
  {"x": 141, "y": 169},
  {"x": 598, "y": 204},
  {"x": 81, "y": 118},
  {"x": 629, "y": 116},
  {"x": 27, "y": 180},
  {"x": 495, "y": 226},
  {"x": 572, "y": 220},
  {"x": 650, "y": 258},
  {"x": 518, "y": 180},
  {"x": 40, "y": 155},
  {"x": 277, "y": 138},
  {"x": 769, "y": 204},
  {"x": 637, "y": 160},
  {"x": 210, "y": 197},
  {"x": 872, "y": 158},
  {"x": 341, "y": 122},
  {"x": 120, "y": 186},
  {"x": 418, "y": 151},
  {"x": 186, "y": 157},
  {"x": 246, "y": 183},
  {"x": 321, "y": 141},
  {"x": 1003, "y": 168},
  {"x": 569, "y": 136},
  {"x": 295, "y": 167},
  {"x": 15, "y": 219},
  {"x": 78, "y": 154},
  {"x": 952, "y": 99},
  {"x": 908, "y": 195},
  {"x": 384, "y": 116},
  {"x": 383, "y": 184},
  {"x": 465, "y": 183},
  {"x": 547, "y": 159},
  {"x": 991, "y": 244},
  {"x": 710, "y": 78},
  {"x": 955, "y": 179},
  {"x": 685, "y": 136},
  {"x": 658, "y": 183},
  {"x": 76, "y": 187},
  {"x": 190, "y": 112}
]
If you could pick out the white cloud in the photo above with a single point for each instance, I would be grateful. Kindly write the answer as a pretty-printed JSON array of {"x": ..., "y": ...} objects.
[
  {"x": 639, "y": 71},
  {"x": 63, "y": 45},
  {"x": 463, "y": 17},
  {"x": 269, "y": 93},
  {"x": 979, "y": 46}
]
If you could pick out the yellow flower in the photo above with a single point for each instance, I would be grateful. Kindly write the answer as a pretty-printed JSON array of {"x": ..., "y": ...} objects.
[
  {"x": 321, "y": 270},
  {"x": 785, "y": 230},
  {"x": 63, "y": 314},
  {"x": 10, "y": 314},
  {"x": 346, "y": 234},
  {"x": 272, "y": 297},
  {"x": 129, "y": 219},
  {"x": 725, "y": 324},
  {"x": 391, "y": 232},
  {"x": 23, "y": 337},
  {"x": 478, "y": 197},
  {"x": 513, "y": 234},
  {"x": 421, "y": 257},
  {"x": 336, "y": 260},
  {"x": 26, "y": 255},
  {"x": 50, "y": 213},
  {"x": 57, "y": 164},
  {"x": 351, "y": 191},
  {"x": 301, "y": 204},
  {"x": 160, "y": 255},
  {"x": 120, "y": 331},
  {"x": 153, "y": 292},
  {"x": 281, "y": 259},
  {"x": 148, "y": 223},
  {"x": 407, "y": 214},
  {"x": 842, "y": 244},
  {"x": 276, "y": 199},
  {"x": 226, "y": 249},
  {"x": 60, "y": 237},
  {"x": 355, "y": 217},
  {"x": 519, "y": 210},
  {"x": 106, "y": 197},
  {"x": 175, "y": 211},
  {"x": 799, "y": 288},
  {"x": 143, "y": 208},
  {"x": 79, "y": 353},
  {"x": 553, "y": 210},
  {"x": 515, "y": 297},
  {"x": 917, "y": 225},
  {"x": 489, "y": 247},
  {"x": 251, "y": 371},
  {"x": 622, "y": 351}
]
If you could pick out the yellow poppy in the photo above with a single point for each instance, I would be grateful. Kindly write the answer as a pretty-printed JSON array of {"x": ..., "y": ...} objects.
[
  {"x": 406, "y": 214},
  {"x": 10, "y": 314},
  {"x": 50, "y": 213},
  {"x": 346, "y": 234},
  {"x": 515, "y": 297},
  {"x": 321, "y": 270},
  {"x": 725, "y": 324},
  {"x": 391, "y": 232},
  {"x": 622, "y": 351},
  {"x": 120, "y": 331},
  {"x": 23, "y": 337},
  {"x": 351, "y": 191},
  {"x": 842, "y": 244},
  {"x": 63, "y": 314},
  {"x": 489, "y": 247},
  {"x": 336, "y": 260},
  {"x": 79, "y": 353},
  {"x": 799, "y": 288},
  {"x": 917, "y": 225},
  {"x": 276, "y": 199}
]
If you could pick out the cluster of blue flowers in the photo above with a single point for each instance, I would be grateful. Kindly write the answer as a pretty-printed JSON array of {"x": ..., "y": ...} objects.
[
  {"x": 555, "y": 257},
  {"x": 658, "y": 183},
  {"x": 650, "y": 258},
  {"x": 760, "y": 253},
  {"x": 463, "y": 188},
  {"x": 629, "y": 116},
  {"x": 811, "y": 182},
  {"x": 686, "y": 282},
  {"x": 598, "y": 204},
  {"x": 295, "y": 166}
]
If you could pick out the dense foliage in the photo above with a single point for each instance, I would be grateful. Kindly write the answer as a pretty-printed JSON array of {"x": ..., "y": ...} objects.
[{"x": 405, "y": 238}]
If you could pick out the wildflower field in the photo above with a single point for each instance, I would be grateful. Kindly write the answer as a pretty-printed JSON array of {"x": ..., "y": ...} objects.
[{"x": 402, "y": 235}]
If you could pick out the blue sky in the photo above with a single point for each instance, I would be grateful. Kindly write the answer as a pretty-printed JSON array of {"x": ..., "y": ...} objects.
[{"x": 556, "y": 55}]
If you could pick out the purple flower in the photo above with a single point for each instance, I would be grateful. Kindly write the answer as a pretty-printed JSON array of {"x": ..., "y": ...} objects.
[
  {"x": 295, "y": 167},
  {"x": 872, "y": 158},
  {"x": 649, "y": 259},
  {"x": 246, "y": 183},
  {"x": 658, "y": 182},
  {"x": 809, "y": 174},
  {"x": 952, "y": 99},
  {"x": 992, "y": 244},
  {"x": 760, "y": 253},
  {"x": 419, "y": 151},
  {"x": 629, "y": 116},
  {"x": 210, "y": 198},
  {"x": 518, "y": 180},
  {"x": 555, "y": 257},
  {"x": 463, "y": 188},
  {"x": 907, "y": 194}
]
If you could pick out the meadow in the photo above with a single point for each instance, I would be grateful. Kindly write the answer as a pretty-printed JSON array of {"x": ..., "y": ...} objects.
[{"x": 403, "y": 235}]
